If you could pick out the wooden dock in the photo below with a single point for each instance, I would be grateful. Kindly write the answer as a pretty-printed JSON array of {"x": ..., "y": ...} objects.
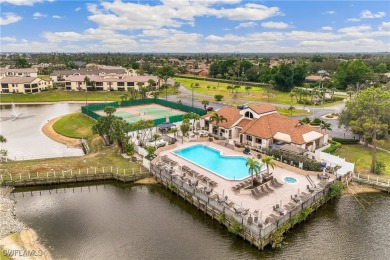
[
  {"x": 77, "y": 178},
  {"x": 257, "y": 235}
]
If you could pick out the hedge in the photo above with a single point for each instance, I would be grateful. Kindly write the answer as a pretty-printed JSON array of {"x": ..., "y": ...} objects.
[
  {"x": 345, "y": 141},
  {"x": 333, "y": 148},
  {"x": 308, "y": 164}
]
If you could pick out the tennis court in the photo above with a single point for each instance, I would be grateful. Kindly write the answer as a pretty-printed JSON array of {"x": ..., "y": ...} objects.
[
  {"x": 157, "y": 112},
  {"x": 143, "y": 112},
  {"x": 131, "y": 118}
]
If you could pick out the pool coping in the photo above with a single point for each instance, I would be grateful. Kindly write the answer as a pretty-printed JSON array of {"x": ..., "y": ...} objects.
[{"x": 220, "y": 152}]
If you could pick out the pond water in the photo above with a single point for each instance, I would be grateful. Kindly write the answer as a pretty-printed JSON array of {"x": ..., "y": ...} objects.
[
  {"x": 108, "y": 221},
  {"x": 25, "y": 139}
]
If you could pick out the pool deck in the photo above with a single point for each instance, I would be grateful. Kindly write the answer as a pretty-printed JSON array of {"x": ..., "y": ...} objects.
[{"x": 265, "y": 204}]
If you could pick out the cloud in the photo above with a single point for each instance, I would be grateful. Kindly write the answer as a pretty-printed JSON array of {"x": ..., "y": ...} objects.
[
  {"x": 275, "y": 25},
  {"x": 24, "y": 2},
  {"x": 246, "y": 25},
  {"x": 38, "y": 15},
  {"x": 366, "y": 14},
  {"x": 327, "y": 28},
  {"x": 10, "y": 18},
  {"x": 355, "y": 29},
  {"x": 384, "y": 26},
  {"x": 254, "y": 12},
  {"x": 57, "y": 17},
  {"x": 8, "y": 39},
  {"x": 329, "y": 12},
  {"x": 77, "y": 9},
  {"x": 118, "y": 15},
  {"x": 353, "y": 20}
]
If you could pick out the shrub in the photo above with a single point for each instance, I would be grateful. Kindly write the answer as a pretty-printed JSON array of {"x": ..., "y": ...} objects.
[
  {"x": 379, "y": 167},
  {"x": 235, "y": 227},
  {"x": 218, "y": 97},
  {"x": 345, "y": 141},
  {"x": 316, "y": 121},
  {"x": 222, "y": 217},
  {"x": 333, "y": 148},
  {"x": 308, "y": 164},
  {"x": 306, "y": 120},
  {"x": 335, "y": 189}
]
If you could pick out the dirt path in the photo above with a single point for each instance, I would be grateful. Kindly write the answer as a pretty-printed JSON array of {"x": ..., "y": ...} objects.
[{"x": 48, "y": 130}]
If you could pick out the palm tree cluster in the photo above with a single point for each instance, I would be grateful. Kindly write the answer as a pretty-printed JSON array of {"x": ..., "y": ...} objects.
[
  {"x": 3, "y": 153},
  {"x": 115, "y": 129}
]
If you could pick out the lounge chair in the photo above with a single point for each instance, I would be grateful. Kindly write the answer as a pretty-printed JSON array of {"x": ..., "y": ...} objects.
[
  {"x": 310, "y": 189},
  {"x": 213, "y": 183},
  {"x": 278, "y": 183},
  {"x": 268, "y": 188},
  {"x": 254, "y": 194},
  {"x": 263, "y": 190}
]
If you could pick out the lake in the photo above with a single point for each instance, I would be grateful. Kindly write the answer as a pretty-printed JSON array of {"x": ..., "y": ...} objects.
[
  {"x": 25, "y": 138},
  {"x": 108, "y": 221}
]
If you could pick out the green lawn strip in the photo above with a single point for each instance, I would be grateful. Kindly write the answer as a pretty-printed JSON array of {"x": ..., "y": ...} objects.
[
  {"x": 56, "y": 95},
  {"x": 99, "y": 157},
  {"x": 75, "y": 125},
  {"x": 385, "y": 145},
  {"x": 361, "y": 156},
  {"x": 254, "y": 94}
]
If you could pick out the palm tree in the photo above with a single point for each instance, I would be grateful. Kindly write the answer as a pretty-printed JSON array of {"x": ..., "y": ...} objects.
[
  {"x": 2, "y": 139},
  {"x": 174, "y": 131},
  {"x": 155, "y": 137},
  {"x": 268, "y": 161},
  {"x": 205, "y": 103},
  {"x": 254, "y": 167},
  {"x": 325, "y": 126},
  {"x": 217, "y": 118},
  {"x": 109, "y": 110}
]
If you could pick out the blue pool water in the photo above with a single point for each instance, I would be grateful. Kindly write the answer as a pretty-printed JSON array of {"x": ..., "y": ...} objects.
[
  {"x": 228, "y": 167},
  {"x": 290, "y": 180}
]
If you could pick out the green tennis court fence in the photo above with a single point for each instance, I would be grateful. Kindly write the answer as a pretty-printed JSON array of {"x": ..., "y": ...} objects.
[
  {"x": 165, "y": 103},
  {"x": 89, "y": 110}
]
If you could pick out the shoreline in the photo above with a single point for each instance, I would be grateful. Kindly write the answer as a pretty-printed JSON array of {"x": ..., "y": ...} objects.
[
  {"x": 54, "y": 102},
  {"x": 17, "y": 240},
  {"x": 49, "y": 131}
]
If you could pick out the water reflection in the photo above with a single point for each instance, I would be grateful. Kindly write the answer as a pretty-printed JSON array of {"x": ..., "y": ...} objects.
[
  {"x": 148, "y": 222},
  {"x": 24, "y": 135}
]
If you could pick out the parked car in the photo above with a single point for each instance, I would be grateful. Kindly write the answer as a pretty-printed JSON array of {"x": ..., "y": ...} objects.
[
  {"x": 241, "y": 107},
  {"x": 209, "y": 108}
]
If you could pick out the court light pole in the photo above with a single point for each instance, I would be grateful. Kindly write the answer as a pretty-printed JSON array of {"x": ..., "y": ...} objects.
[{"x": 192, "y": 99}]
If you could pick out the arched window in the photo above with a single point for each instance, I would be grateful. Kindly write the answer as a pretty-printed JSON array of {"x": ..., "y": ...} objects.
[{"x": 248, "y": 114}]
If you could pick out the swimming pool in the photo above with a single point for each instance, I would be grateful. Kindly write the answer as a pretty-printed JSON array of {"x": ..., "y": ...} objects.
[
  {"x": 228, "y": 167},
  {"x": 290, "y": 180}
]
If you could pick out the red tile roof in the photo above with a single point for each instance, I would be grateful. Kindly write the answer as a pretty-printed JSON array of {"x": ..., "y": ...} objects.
[
  {"x": 263, "y": 108},
  {"x": 232, "y": 115},
  {"x": 267, "y": 126},
  {"x": 244, "y": 122}
]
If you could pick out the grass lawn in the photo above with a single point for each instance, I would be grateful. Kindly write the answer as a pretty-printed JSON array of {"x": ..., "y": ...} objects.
[
  {"x": 385, "y": 145},
  {"x": 81, "y": 126},
  {"x": 255, "y": 94},
  {"x": 361, "y": 156},
  {"x": 56, "y": 95},
  {"x": 99, "y": 156}
]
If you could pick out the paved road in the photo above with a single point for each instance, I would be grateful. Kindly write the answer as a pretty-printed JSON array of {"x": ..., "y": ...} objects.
[{"x": 186, "y": 99}]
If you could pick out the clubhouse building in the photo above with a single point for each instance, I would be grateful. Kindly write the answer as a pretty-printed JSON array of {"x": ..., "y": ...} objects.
[{"x": 261, "y": 126}]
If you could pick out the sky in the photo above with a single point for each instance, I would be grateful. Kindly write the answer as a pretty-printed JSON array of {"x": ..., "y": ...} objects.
[{"x": 195, "y": 26}]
